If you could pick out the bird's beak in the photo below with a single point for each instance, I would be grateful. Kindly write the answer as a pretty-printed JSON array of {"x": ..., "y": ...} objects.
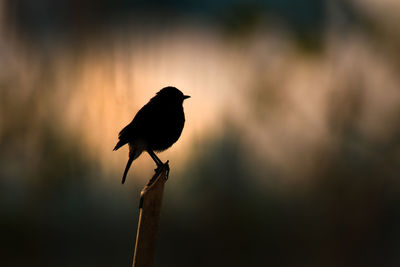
[{"x": 186, "y": 96}]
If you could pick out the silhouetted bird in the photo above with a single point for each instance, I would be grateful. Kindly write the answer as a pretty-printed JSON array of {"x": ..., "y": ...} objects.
[{"x": 156, "y": 126}]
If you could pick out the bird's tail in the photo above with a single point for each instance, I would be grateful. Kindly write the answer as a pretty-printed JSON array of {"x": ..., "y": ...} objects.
[{"x": 128, "y": 165}]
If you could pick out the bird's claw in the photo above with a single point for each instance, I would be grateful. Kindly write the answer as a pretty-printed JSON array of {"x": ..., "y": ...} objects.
[{"x": 159, "y": 167}]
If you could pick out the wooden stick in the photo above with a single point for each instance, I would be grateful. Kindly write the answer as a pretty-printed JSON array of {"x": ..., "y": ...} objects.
[{"x": 150, "y": 207}]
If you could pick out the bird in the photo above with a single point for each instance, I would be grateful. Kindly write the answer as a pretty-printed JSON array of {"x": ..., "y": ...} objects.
[{"x": 155, "y": 127}]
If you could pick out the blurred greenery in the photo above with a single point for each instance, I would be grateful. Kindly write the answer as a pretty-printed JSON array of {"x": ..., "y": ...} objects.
[{"x": 297, "y": 165}]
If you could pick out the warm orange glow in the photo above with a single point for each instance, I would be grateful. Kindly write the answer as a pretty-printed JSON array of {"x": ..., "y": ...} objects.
[{"x": 98, "y": 90}]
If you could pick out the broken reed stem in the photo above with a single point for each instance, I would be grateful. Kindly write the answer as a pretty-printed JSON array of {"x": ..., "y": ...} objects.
[{"x": 149, "y": 216}]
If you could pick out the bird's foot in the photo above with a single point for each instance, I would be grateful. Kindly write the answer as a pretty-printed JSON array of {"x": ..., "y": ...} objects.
[{"x": 161, "y": 166}]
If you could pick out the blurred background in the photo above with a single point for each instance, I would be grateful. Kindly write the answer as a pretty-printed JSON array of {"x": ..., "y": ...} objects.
[{"x": 290, "y": 154}]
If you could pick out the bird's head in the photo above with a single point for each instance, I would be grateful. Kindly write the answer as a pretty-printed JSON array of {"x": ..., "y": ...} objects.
[{"x": 172, "y": 94}]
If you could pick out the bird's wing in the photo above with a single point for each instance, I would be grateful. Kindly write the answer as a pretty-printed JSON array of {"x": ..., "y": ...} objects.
[
  {"x": 145, "y": 119},
  {"x": 124, "y": 136},
  {"x": 142, "y": 123}
]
